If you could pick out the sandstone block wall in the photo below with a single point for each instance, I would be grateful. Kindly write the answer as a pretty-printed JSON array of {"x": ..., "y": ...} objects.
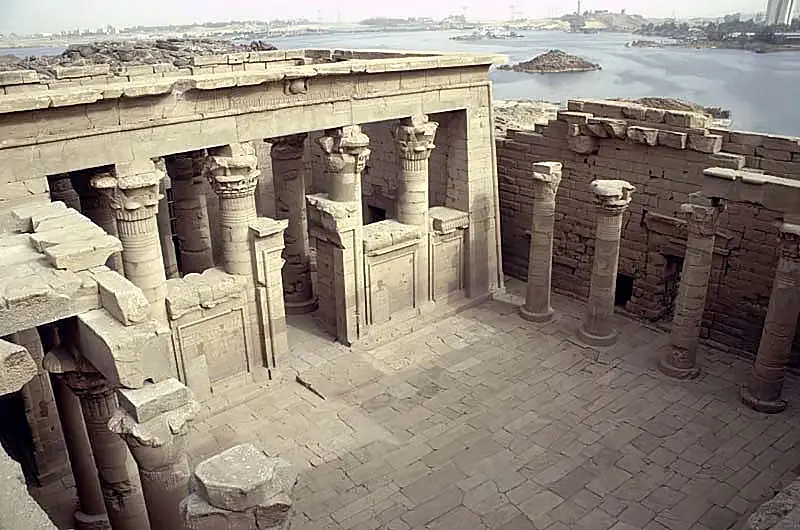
[{"x": 663, "y": 154}]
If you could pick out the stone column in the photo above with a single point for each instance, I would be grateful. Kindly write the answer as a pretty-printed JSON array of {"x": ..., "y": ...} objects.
[
  {"x": 288, "y": 177},
  {"x": 91, "y": 512},
  {"x": 414, "y": 137},
  {"x": 242, "y": 488},
  {"x": 165, "y": 226},
  {"x": 191, "y": 215},
  {"x": 546, "y": 178},
  {"x": 97, "y": 207},
  {"x": 154, "y": 421},
  {"x": 680, "y": 361},
  {"x": 123, "y": 498},
  {"x": 335, "y": 221},
  {"x": 61, "y": 189},
  {"x": 134, "y": 194},
  {"x": 233, "y": 172},
  {"x": 763, "y": 391},
  {"x": 612, "y": 198}
]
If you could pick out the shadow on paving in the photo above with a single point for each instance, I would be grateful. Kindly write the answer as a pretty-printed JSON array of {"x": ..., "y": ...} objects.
[{"x": 489, "y": 421}]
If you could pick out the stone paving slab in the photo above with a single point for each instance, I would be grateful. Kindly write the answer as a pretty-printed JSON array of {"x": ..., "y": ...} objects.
[{"x": 486, "y": 421}]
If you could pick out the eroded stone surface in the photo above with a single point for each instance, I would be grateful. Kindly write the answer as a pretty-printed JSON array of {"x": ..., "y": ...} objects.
[
  {"x": 245, "y": 477},
  {"x": 16, "y": 367}
]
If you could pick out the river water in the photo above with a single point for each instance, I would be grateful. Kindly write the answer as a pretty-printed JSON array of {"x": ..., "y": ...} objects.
[{"x": 762, "y": 90}]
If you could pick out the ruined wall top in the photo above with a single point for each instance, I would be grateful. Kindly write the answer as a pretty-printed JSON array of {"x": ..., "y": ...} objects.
[{"x": 40, "y": 83}]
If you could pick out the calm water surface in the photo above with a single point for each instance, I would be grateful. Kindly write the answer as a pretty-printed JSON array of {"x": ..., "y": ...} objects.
[{"x": 762, "y": 90}]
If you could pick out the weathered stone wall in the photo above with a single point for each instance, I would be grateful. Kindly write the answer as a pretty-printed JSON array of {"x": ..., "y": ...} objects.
[
  {"x": 663, "y": 155},
  {"x": 379, "y": 183}
]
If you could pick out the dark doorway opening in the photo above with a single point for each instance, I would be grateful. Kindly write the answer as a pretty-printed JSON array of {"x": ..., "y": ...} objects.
[
  {"x": 16, "y": 436},
  {"x": 672, "y": 283},
  {"x": 374, "y": 215},
  {"x": 624, "y": 291}
]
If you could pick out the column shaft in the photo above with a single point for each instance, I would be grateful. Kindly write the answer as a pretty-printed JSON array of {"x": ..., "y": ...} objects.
[
  {"x": 233, "y": 173},
  {"x": 134, "y": 196},
  {"x": 165, "y": 233},
  {"x": 90, "y": 497},
  {"x": 613, "y": 197},
  {"x": 763, "y": 391},
  {"x": 123, "y": 499},
  {"x": 191, "y": 213},
  {"x": 546, "y": 178},
  {"x": 288, "y": 177},
  {"x": 680, "y": 360},
  {"x": 61, "y": 189}
]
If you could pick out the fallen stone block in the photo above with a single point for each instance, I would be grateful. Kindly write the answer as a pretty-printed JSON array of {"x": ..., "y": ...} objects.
[
  {"x": 120, "y": 297},
  {"x": 81, "y": 256},
  {"x": 17, "y": 367}
]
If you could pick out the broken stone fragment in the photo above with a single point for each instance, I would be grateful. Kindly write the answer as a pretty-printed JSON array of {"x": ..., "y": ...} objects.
[
  {"x": 711, "y": 143},
  {"x": 643, "y": 135},
  {"x": 17, "y": 367}
]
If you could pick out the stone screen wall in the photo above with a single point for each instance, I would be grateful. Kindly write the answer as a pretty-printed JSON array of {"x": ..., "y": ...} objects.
[{"x": 653, "y": 241}]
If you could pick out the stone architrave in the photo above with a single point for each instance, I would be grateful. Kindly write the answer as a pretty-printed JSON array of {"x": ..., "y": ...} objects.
[
  {"x": 289, "y": 180},
  {"x": 165, "y": 226},
  {"x": 154, "y": 421},
  {"x": 546, "y": 178},
  {"x": 414, "y": 138},
  {"x": 191, "y": 214},
  {"x": 97, "y": 207},
  {"x": 123, "y": 498},
  {"x": 61, "y": 189},
  {"x": 680, "y": 360},
  {"x": 335, "y": 221},
  {"x": 134, "y": 194},
  {"x": 241, "y": 489},
  {"x": 612, "y": 198},
  {"x": 232, "y": 171},
  {"x": 763, "y": 391}
]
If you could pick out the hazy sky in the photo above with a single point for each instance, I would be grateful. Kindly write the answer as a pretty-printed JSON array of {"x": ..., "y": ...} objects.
[{"x": 25, "y": 16}]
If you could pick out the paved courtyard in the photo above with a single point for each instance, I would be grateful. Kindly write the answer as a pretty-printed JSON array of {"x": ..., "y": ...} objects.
[{"x": 488, "y": 421}]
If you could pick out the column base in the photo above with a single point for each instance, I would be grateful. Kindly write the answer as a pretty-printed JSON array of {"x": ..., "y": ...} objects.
[
  {"x": 597, "y": 340},
  {"x": 84, "y": 521},
  {"x": 531, "y": 316},
  {"x": 301, "y": 308},
  {"x": 761, "y": 405},
  {"x": 675, "y": 372}
]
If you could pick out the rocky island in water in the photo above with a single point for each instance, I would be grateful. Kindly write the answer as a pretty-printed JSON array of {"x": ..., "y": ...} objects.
[{"x": 552, "y": 62}]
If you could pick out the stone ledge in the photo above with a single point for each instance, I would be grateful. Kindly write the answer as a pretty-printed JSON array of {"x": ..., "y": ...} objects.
[
  {"x": 446, "y": 220},
  {"x": 390, "y": 233},
  {"x": 203, "y": 291}
]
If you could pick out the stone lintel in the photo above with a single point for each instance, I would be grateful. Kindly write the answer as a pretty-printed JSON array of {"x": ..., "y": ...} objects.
[
  {"x": 446, "y": 220},
  {"x": 776, "y": 193},
  {"x": 17, "y": 367},
  {"x": 149, "y": 401},
  {"x": 264, "y": 227},
  {"x": 389, "y": 233},
  {"x": 125, "y": 355}
]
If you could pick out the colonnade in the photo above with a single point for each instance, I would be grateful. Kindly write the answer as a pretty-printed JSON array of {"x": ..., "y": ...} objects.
[{"x": 763, "y": 391}]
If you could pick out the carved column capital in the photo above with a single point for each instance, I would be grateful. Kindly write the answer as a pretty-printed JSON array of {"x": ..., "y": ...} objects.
[
  {"x": 789, "y": 242},
  {"x": 546, "y": 179},
  {"x": 612, "y": 197},
  {"x": 344, "y": 147},
  {"x": 186, "y": 166},
  {"x": 133, "y": 192},
  {"x": 232, "y": 170},
  {"x": 60, "y": 183},
  {"x": 701, "y": 219},
  {"x": 291, "y": 147},
  {"x": 415, "y": 136}
]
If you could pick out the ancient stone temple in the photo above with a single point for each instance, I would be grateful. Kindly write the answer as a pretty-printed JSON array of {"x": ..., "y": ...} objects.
[{"x": 142, "y": 284}]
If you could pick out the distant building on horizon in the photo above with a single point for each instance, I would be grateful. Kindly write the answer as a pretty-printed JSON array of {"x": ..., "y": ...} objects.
[{"x": 782, "y": 11}]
